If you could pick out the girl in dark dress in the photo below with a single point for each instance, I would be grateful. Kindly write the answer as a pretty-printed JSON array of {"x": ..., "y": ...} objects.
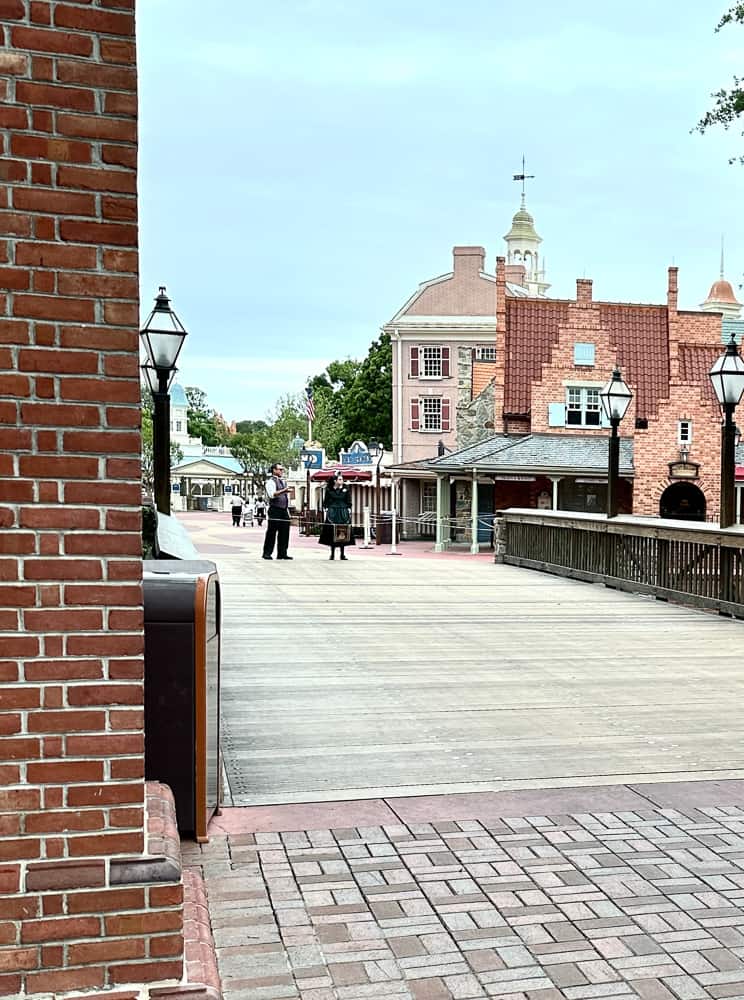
[{"x": 337, "y": 525}]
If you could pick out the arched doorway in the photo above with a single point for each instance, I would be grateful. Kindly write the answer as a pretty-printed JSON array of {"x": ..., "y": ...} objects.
[{"x": 683, "y": 501}]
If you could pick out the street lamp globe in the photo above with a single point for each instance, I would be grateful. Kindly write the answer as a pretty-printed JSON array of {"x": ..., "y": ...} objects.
[
  {"x": 727, "y": 375},
  {"x": 375, "y": 448},
  {"x": 616, "y": 397},
  {"x": 163, "y": 334}
]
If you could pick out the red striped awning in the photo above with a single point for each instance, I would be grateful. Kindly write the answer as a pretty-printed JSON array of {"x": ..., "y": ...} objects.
[{"x": 350, "y": 472}]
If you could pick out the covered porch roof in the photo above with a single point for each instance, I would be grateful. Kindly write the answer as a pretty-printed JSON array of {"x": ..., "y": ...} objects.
[{"x": 538, "y": 454}]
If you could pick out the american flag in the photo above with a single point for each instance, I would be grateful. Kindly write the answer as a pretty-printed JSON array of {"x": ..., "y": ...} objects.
[{"x": 309, "y": 404}]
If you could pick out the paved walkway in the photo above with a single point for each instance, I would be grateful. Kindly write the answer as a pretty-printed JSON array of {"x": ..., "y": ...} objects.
[
  {"x": 512, "y": 889},
  {"x": 555, "y": 897},
  {"x": 386, "y": 676}
]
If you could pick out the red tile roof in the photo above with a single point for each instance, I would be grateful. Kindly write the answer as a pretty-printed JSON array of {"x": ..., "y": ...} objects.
[
  {"x": 639, "y": 333},
  {"x": 695, "y": 361},
  {"x": 531, "y": 333}
]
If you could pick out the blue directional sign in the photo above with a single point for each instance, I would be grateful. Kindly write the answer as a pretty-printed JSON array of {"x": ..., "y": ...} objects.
[
  {"x": 358, "y": 454},
  {"x": 312, "y": 459}
]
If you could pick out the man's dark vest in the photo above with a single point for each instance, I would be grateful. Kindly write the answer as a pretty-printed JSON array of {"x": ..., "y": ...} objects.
[{"x": 281, "y": 500}]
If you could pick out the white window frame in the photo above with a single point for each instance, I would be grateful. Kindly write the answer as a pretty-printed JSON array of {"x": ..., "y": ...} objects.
[
  {"x": 430, "y": 356},
  {"x": 428, "y": 402},
  {"x": 684, "y": 432},
  {"x": 584, "y": 400},
  {"x": 428, "y": 498},
  {"x": 479, "y": 352}
]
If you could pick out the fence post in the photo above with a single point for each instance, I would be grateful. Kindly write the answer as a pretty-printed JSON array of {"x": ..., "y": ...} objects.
[
  {"x": 366, "y": 522},
  {"x": 499, "y": 539}
]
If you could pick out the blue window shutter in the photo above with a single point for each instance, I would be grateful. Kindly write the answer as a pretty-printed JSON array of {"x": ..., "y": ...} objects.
[
  {"x": 583, "y": 354},
  {"x": 556, "y": 414}
]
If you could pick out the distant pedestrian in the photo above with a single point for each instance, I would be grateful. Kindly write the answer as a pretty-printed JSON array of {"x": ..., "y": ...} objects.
[
  {"x": 260, "y": 511},
  {"x": 247, "y": 512},
  {"x": 277, "y": 529},
  {"x": 236, "y": 508},
  {"x": 337, "y": 531}
]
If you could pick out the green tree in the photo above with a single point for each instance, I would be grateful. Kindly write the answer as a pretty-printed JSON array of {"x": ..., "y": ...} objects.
[
  {"x": 287, "y": 422},
  {"x": 250, "y": 426},
  {"x": 250, "y": 451},
  {"x": 329, "y": 394},
  {"x": 368, "y": 401},
  {"x": 202, "y": 421},
  {"x": 729, "y": 103}
]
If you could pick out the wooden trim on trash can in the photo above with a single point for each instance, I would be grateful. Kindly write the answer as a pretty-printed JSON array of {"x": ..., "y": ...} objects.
[{"x": 201, "y": 819}]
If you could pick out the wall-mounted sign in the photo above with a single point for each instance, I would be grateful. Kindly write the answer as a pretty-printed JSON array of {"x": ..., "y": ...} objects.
[
  {"x": 592, "y": 482},
  {"x": 312, "y": 459},
  {"x": 514, "y": 479},
  {"x": 684, "y": 470},
  {"x": 356, "y": 458}
]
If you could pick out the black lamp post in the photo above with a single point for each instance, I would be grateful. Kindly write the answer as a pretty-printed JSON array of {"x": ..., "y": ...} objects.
[
  {"x": 616, "y": 397},
  {"x": 377, "y": 450},
  {"x": 162, "y": 336},
  {"x": 727, "y": 376}
]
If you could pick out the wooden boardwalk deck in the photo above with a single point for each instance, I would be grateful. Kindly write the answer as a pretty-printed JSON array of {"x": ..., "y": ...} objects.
[{"x": 384, "y": 676}]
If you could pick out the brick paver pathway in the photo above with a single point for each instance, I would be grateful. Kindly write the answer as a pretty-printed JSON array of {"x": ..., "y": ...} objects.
[{"x": 645, "y": 903}]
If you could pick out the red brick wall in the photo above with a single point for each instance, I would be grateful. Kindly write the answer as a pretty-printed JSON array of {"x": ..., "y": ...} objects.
[
  {"x": 657, "y": 446},
  {"x": 71, "y": 753},
  {"x": 583, "y": 326}
]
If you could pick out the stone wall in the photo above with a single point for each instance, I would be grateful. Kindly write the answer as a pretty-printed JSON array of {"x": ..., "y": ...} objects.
[{"x": 475, "y": 417}]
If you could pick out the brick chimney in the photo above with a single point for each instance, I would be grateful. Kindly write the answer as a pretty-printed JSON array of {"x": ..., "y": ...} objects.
[
  {"x": 500, "y": 369},
  {"x": 672, "y": 289},
  {"x": 468, "y": 260},
  {"x": 583, "y": 290},
  {"x": 516, "y": 274},
  {"x": 673, "y": 324}
]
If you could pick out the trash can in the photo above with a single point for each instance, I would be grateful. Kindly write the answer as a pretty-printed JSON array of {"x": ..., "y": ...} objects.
[
  {"x": 182, "y": 602},
  {"x": 384, "y": 529}
]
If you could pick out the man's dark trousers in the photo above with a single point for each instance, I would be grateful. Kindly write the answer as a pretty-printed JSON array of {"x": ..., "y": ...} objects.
[{"x": 277, "y": 528}]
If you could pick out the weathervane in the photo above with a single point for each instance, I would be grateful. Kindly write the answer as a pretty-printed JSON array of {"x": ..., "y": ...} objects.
[{"x": 523, "y": 177}]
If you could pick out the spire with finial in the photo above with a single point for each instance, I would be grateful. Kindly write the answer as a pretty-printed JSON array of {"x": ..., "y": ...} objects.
[
  {"x": 721, "y": 256},
  {"x": 721, "y": 297},
  {"x": 523, "y": 242}
]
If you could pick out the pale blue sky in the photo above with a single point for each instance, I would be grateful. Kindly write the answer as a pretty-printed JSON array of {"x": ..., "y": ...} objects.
[{"x": 304, "y": 164}]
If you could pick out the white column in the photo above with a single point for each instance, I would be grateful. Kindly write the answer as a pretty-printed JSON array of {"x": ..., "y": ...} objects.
[
  {"x": 439, "y": 544},
  {"x": 555, "y": 480},
  {"x": 474, "y": 548},
  {"x": 394, "y": 527}
]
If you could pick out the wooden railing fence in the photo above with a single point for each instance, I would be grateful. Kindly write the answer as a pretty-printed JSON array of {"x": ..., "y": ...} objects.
[{"x": 691, "y": 563}]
